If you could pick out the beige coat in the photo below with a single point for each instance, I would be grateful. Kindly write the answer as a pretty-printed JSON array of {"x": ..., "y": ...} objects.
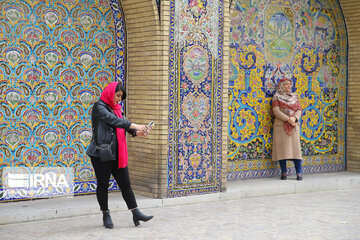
[{"x": 285, "y": 146}]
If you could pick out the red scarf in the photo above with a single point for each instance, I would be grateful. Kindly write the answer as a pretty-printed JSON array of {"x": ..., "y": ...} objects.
[{"x": 107, "y": 96}]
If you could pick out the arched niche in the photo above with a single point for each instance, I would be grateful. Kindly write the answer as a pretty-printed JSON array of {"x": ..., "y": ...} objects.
[{"x": 307, "y": 42}]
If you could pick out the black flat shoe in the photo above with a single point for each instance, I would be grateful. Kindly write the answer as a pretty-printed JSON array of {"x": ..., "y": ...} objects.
[
  {"x": 283, "y": 177},
  {"x": 299, "y": 178}
]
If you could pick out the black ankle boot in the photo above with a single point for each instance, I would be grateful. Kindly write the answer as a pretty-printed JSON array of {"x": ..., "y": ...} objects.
[
  {"x": 107, "y": 220},
  {"x": 139, "y": 216}
]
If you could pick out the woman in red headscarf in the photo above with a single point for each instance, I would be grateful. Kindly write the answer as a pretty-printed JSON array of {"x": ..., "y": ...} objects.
[
  {"x": 286, "y": 136},
  {"x": 108, "y": 150}
]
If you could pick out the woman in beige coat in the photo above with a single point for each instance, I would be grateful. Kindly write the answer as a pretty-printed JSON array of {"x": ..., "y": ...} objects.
[{"x": 286, "y": 138}]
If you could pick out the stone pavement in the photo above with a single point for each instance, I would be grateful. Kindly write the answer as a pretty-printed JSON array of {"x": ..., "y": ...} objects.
[{"x": 325, "y": 206}]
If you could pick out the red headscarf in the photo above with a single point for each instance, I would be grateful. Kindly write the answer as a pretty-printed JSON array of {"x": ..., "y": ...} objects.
[
  {"x": 288, "y": 103},
  {"x": 107, "y": 96}
]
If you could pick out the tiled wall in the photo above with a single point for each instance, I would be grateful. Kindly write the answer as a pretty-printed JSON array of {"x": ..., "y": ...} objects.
[
  {"x": 307, "y": 42},
  {"x": 56, "y": 57},
  {"x": 195, "y": 96}
]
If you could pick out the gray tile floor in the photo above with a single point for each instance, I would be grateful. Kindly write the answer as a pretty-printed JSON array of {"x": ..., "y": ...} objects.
[{"x": 326, "y": 215}]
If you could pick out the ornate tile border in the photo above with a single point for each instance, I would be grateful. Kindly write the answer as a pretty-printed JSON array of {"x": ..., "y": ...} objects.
[{"x": 195, "y": 106}]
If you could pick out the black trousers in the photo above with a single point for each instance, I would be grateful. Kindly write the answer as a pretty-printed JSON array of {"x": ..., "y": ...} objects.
[{"x": 103, "y": 171}]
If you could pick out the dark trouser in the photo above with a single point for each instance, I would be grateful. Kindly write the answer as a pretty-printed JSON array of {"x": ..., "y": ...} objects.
[
  {"x": 103, "y": 170},
  {"x": 297, "y": 163}
]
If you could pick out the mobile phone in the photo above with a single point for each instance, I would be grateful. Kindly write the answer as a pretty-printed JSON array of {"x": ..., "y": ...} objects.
[{"x": 151, "y": 124}]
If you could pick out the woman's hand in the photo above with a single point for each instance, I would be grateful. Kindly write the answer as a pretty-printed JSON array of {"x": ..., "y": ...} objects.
[
  {"x": 142, "y": 134},
  {"x": 142, "y": 130},
  {"x": 291, "y": 121}
]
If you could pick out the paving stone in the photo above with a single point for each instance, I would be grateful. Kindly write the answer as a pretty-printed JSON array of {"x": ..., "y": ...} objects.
[{"x": 309, "y": 216}]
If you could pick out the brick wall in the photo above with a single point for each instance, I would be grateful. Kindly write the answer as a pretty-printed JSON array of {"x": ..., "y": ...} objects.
[
  {"x": 147, "y": 86},
  {"x": 351, "y": 9},
  {"x": 225, "y": 96},
  {"x": 164, "y": 76}
]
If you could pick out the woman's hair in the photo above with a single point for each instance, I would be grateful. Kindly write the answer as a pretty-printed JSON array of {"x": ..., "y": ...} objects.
[{"x": 118, "y": 88}]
